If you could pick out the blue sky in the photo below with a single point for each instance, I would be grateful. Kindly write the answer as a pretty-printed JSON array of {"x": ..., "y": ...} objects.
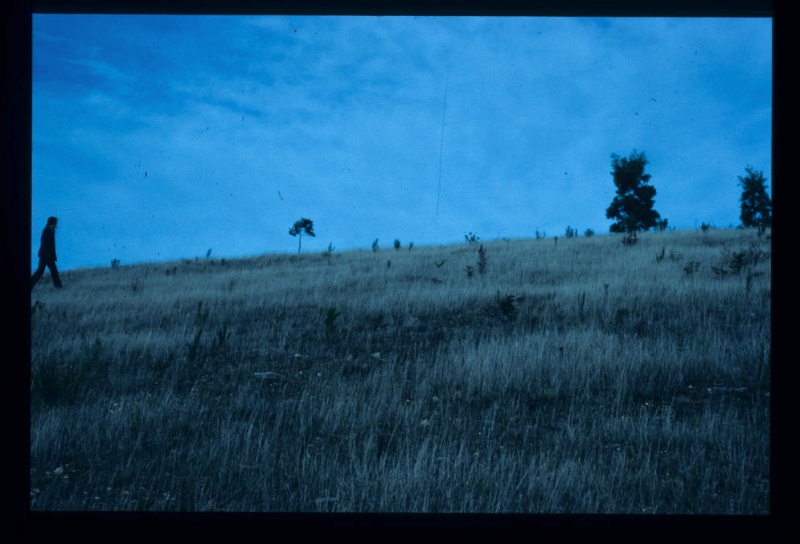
[{"x": 158, "y": 137}]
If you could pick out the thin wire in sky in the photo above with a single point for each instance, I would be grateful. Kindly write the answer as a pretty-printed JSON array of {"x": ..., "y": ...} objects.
[{"x": 441, "y": 140}]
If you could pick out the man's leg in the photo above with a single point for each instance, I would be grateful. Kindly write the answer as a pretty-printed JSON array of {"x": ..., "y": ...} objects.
[
  {"x": 54, "y": 274},
  {"x": 37, "y": 274}
]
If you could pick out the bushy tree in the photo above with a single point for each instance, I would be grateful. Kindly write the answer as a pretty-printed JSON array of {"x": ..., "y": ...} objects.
[
  {"x": 300, "y": 227},
  {"x": 756, "y": 204},
  {"x": 632, "y": 207}
]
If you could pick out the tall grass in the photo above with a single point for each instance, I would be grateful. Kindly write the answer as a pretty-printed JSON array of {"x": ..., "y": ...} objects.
[{"x": 580, "y": 377}]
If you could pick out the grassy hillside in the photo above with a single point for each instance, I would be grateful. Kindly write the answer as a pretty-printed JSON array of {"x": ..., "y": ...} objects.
[{"x": 579, "y": 375}]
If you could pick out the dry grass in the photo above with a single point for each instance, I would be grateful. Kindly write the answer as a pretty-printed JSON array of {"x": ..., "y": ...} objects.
[{"x": 582, "y": 376}]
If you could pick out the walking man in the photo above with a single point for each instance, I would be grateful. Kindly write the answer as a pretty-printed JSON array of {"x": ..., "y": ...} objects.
[{"x": 47, "y": 254}]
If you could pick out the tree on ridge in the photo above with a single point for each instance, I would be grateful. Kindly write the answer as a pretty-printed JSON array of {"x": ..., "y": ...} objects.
[
  {"x": 300, "y": 227},
  {"x": 632, "y": 207}
]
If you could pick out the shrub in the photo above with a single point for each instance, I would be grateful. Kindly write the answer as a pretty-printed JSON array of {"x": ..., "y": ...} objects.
[
  {"x": 330, "y": 315},
  {"x": 329, "y": 252},
  {"x": 508, "y": 305},
  {"x": 675, "y": 256},
  {"x": 691, "y": 267},
  {"x": 137, "y": 284},
  {"x": 719, "y": 271},
  {"x": 481, "y": 260}
]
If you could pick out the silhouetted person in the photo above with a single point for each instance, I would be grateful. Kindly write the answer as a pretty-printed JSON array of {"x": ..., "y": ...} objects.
[{"x": 47, "y": 254}]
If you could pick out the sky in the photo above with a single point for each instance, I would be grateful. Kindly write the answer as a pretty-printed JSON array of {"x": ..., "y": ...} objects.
[{"x": 161, "y": 137}]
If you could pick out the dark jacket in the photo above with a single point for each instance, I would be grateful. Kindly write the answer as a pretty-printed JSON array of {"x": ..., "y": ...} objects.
[{"x": 47, "y": 249}]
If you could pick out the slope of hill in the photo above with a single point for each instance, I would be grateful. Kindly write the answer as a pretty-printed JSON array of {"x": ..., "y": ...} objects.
[{"x": 574, "y": 375}]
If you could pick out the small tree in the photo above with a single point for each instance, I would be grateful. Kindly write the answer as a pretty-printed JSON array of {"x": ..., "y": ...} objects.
[
  {"x": 632, "y": 208},
  {"x": 300, "y": 227},
  {"x": 756, "y": 204}
]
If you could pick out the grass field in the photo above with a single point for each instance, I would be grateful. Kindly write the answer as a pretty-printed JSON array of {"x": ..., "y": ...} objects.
[{"x": 577, "y": 375}]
